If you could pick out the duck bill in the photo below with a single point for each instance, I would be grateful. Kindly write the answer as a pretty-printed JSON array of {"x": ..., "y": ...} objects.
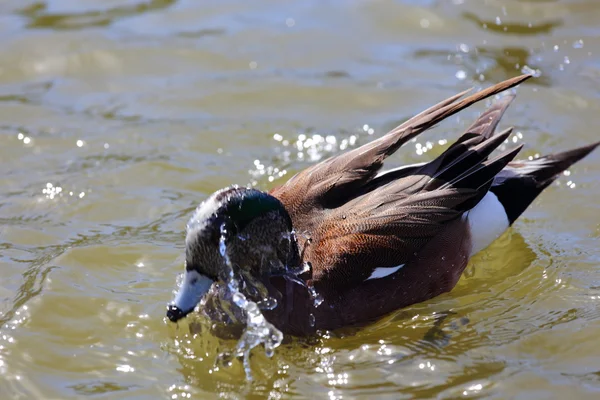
[{"x": 194, "y": 287}]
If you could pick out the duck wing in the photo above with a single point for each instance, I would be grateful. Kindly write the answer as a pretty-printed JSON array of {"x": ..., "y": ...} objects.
[
  {"x": 388, "y": 226},
  {"x": 333, "y": 182},
  {"x": 484, "y": 127}
]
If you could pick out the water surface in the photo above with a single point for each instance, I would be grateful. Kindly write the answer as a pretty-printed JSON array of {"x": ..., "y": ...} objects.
[{"x": 118, "y": 117}]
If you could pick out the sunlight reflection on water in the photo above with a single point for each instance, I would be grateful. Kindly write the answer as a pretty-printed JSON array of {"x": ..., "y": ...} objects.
[{"x": 118, "y": 117}]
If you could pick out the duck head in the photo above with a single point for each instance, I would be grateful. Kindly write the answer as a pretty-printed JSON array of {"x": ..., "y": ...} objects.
[{"x": 237, "y": 233}]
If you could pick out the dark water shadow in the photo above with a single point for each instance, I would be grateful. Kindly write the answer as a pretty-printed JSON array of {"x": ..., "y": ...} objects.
[
  {"x": 505, "y": 28},
  {"x": 39, "y": 18},
  {"x": 489, "y": 64}
]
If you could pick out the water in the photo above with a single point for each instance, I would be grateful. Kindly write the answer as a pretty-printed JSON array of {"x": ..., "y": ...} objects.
[
  {"x": 257, "y": 329},
  {"x": 117, "y": 118}
]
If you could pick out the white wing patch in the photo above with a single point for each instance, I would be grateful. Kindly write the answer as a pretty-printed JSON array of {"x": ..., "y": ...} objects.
[
  {"x": 487, "y": 221},
  {"x": 382, "y": 272}
]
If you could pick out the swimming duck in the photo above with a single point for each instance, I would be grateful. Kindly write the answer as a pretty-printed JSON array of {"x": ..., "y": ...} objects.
[{"x": 367, "y": 241}]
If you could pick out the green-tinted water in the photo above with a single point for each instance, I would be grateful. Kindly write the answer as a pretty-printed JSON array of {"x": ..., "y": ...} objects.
[{"x": 118, "y": 117}]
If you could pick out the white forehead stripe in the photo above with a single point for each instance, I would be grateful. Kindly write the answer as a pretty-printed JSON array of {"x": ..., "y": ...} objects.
[
  {"x": 382, "y": 272},
  {"x": 201, "y": 216},
  {"x": 191, "y": 291}
]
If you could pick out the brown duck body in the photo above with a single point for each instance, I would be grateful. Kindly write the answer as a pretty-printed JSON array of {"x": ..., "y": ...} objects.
[
  {"x": 375, "y": 241},
  {"x": 378, "y": 242},
  {"x": 433, "y": 271}
]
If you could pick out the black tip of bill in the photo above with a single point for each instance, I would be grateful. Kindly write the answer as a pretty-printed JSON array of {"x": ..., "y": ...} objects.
[{"x": 175, "y": 313}]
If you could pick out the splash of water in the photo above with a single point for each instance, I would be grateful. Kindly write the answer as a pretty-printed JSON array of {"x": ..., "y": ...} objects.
[
  {"x": 258, "y": 330},
  {"x": 316, "y": 297}
]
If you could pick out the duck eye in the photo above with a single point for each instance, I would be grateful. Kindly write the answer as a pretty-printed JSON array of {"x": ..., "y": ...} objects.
[{"x": 194, "y": 281}]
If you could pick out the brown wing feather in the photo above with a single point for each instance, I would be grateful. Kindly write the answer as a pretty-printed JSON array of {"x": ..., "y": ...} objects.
[
  {"x": 334, "y": 181},
  {"x": 487, "y": 122},
  {"x": 345, "y": 252},
  {"x": 483, "y": 128},
  {"x": 390, "y": 225}
]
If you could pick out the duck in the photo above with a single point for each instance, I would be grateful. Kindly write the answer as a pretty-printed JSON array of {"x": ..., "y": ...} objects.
[{"x": 362, "y": 240}]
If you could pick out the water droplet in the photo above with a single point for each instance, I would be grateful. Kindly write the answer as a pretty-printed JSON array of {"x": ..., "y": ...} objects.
[
  {"x": 306, "y": 267},
  {"x": 536, "y": 73},
  {"x": 316, "y": 297},
  {"x": 268, "y": 303},
  {"x": 258, "y": 330},
  {"x": 125, "y": 368}
]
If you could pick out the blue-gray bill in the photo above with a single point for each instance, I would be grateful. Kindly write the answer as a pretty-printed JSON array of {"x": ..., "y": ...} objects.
[{"x": 192, "y": 290}]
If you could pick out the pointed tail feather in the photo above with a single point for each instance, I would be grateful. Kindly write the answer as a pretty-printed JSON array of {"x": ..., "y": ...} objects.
[
  {"x": 546, "y": 168},
  {"x": 485, "y": 172},
  {"x": 443, "y": 110},
  {"x": 487, "y": 122},
  {"x": 477, "y": 148},
  {"x": 333, "y": 181},
  {"x": 373, "y": 153},
  {"x": 518, "y": 185},
  {"x": 482, "y": 129}
]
